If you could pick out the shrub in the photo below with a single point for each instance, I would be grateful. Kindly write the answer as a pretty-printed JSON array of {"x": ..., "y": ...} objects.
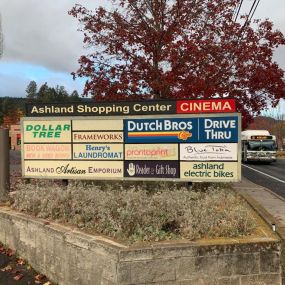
[{"x": 139, "y": 211}]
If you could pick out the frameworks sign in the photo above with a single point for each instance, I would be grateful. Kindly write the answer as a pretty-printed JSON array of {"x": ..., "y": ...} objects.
[{"x": 174, "y": 147}]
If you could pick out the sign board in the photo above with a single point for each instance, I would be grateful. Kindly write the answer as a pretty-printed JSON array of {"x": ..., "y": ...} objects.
[
  {"x": 260, "y": 137},
  {"x": 130, "y": 108},
  {"x": 200, "y": 147}
]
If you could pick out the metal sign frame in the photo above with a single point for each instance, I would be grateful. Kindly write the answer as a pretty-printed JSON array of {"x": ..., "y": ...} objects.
[{"x": 103, "y": 121}]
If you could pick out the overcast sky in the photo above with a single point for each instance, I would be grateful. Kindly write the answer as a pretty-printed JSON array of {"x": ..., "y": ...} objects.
[{"x": 41, "y": 41}]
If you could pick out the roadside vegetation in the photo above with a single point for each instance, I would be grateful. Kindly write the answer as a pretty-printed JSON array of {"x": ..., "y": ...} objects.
[
  {"x": 136, "y": 212},
  {"x": 281, "y": 154}
]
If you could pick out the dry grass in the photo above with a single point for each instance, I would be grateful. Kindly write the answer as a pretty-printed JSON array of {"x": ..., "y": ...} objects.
[
  {"x": 281, "y": 154},
  {"x": 139, "y": 211}
]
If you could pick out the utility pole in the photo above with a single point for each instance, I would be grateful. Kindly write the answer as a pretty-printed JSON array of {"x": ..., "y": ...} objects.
[{"x": 4, "y": 164}]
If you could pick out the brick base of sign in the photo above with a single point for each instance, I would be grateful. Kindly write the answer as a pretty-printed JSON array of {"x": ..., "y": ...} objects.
[{"x": 69, "y": 257}]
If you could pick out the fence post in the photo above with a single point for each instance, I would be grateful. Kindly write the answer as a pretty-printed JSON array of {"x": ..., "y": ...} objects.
[{"x": 4, "y": 164}]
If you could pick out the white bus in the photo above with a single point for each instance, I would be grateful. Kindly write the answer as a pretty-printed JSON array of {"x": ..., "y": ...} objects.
[{"x": 258, "y": 145}]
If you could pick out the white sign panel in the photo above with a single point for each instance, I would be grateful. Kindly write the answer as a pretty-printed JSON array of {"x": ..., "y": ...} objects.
[{"x": 208, "y": 151}]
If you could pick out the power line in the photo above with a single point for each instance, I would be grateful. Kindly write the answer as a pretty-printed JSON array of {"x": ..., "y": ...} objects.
[
  {"x": 249, "y": 16},
  {"x": 239, "y": 7},
  {"x": 254, "y": 10},
  {"x": 252, "y": 7}
]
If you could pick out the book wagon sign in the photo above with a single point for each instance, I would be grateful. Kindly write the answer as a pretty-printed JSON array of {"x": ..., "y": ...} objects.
[{"x": 171, "y": 146}]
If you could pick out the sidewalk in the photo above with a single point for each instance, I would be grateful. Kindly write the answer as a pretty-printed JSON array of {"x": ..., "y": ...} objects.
[{"x": 268, "y": 204}]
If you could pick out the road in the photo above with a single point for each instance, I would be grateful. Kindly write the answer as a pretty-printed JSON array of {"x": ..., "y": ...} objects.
[{"x": 271, "y": 176}]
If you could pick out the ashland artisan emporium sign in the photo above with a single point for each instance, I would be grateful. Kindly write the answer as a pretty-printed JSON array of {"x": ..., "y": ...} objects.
[{"x": 185, "y": 147}]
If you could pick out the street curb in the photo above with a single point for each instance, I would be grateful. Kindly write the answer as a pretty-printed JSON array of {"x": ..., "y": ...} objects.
[{"x": 270, "y": 220}]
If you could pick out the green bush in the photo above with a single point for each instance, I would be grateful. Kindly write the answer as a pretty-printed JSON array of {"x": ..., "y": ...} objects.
[{"x": 139, "y": 211}]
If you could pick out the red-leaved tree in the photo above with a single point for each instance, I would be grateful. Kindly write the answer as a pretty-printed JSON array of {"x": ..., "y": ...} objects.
[{"x": 174, "y": 49}]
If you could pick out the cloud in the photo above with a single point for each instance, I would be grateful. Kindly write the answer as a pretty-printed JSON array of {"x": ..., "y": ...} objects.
[
  {"x": 15, "y": 77},
  {"x": 42, "y": 33},
  {"x": 9, "y": 88}
]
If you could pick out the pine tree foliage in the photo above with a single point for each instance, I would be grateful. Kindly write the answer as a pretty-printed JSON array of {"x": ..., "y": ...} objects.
[{"x": 31, "y": 90}]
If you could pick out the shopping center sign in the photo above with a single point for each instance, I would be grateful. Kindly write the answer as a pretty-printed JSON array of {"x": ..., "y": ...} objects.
[
  {"x": 176, "y": 147},
  {"x": 131, "y": 108}
]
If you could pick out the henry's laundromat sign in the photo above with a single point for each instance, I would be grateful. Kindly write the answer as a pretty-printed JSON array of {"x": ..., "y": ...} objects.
[{"x": 183, "y": 147}]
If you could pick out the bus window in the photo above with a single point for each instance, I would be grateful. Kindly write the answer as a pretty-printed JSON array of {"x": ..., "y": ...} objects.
[{"x": 262, "y": 146}]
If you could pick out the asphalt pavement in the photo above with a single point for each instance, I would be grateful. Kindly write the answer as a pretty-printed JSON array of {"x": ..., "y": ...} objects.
[
  {"x": 16, "y": 271},
  {"x": 270, "y": 176}
]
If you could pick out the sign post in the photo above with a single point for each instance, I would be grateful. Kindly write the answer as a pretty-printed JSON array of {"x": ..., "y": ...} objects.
[{"x": 4, "y": 163}]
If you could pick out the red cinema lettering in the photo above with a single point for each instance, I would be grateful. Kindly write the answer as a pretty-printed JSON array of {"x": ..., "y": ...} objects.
[{"x": 206, "y": 106}]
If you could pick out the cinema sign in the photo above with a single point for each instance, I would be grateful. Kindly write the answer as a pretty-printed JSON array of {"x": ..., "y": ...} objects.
[{"x": 178, "y": 147}]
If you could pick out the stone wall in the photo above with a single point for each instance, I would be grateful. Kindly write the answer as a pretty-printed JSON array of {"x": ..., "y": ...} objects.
[
  {"x": 269, "y": 219},
  {"x": 231, "y": 264},
  {"x": 70, "y": 257}
]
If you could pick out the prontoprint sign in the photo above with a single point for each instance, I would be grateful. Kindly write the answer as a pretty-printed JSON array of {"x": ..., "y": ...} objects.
[
  {"x": 130, "y": 108},
  {"x": 172, "y": 147}
]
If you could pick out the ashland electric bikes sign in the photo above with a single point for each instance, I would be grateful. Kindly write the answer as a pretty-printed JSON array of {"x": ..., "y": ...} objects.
[{"x": 180, "y": 146}]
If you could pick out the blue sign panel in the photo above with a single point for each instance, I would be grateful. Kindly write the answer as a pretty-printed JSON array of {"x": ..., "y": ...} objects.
[
  {"x": 161, "y": 130},
  {"x": 178, "y": 130},
  {"x": 218, "y": 129}
]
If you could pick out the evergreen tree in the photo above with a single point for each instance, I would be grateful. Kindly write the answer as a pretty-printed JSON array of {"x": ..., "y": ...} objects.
[
  {"x": 31, "y": 91},
  {"x": 48, "y": 94},
  {"x": 74, "y": 96},
  {"x": 61, "y": 94},
  {"x": 43, "y": 94},
  {"x": 8, "y": 106}
]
